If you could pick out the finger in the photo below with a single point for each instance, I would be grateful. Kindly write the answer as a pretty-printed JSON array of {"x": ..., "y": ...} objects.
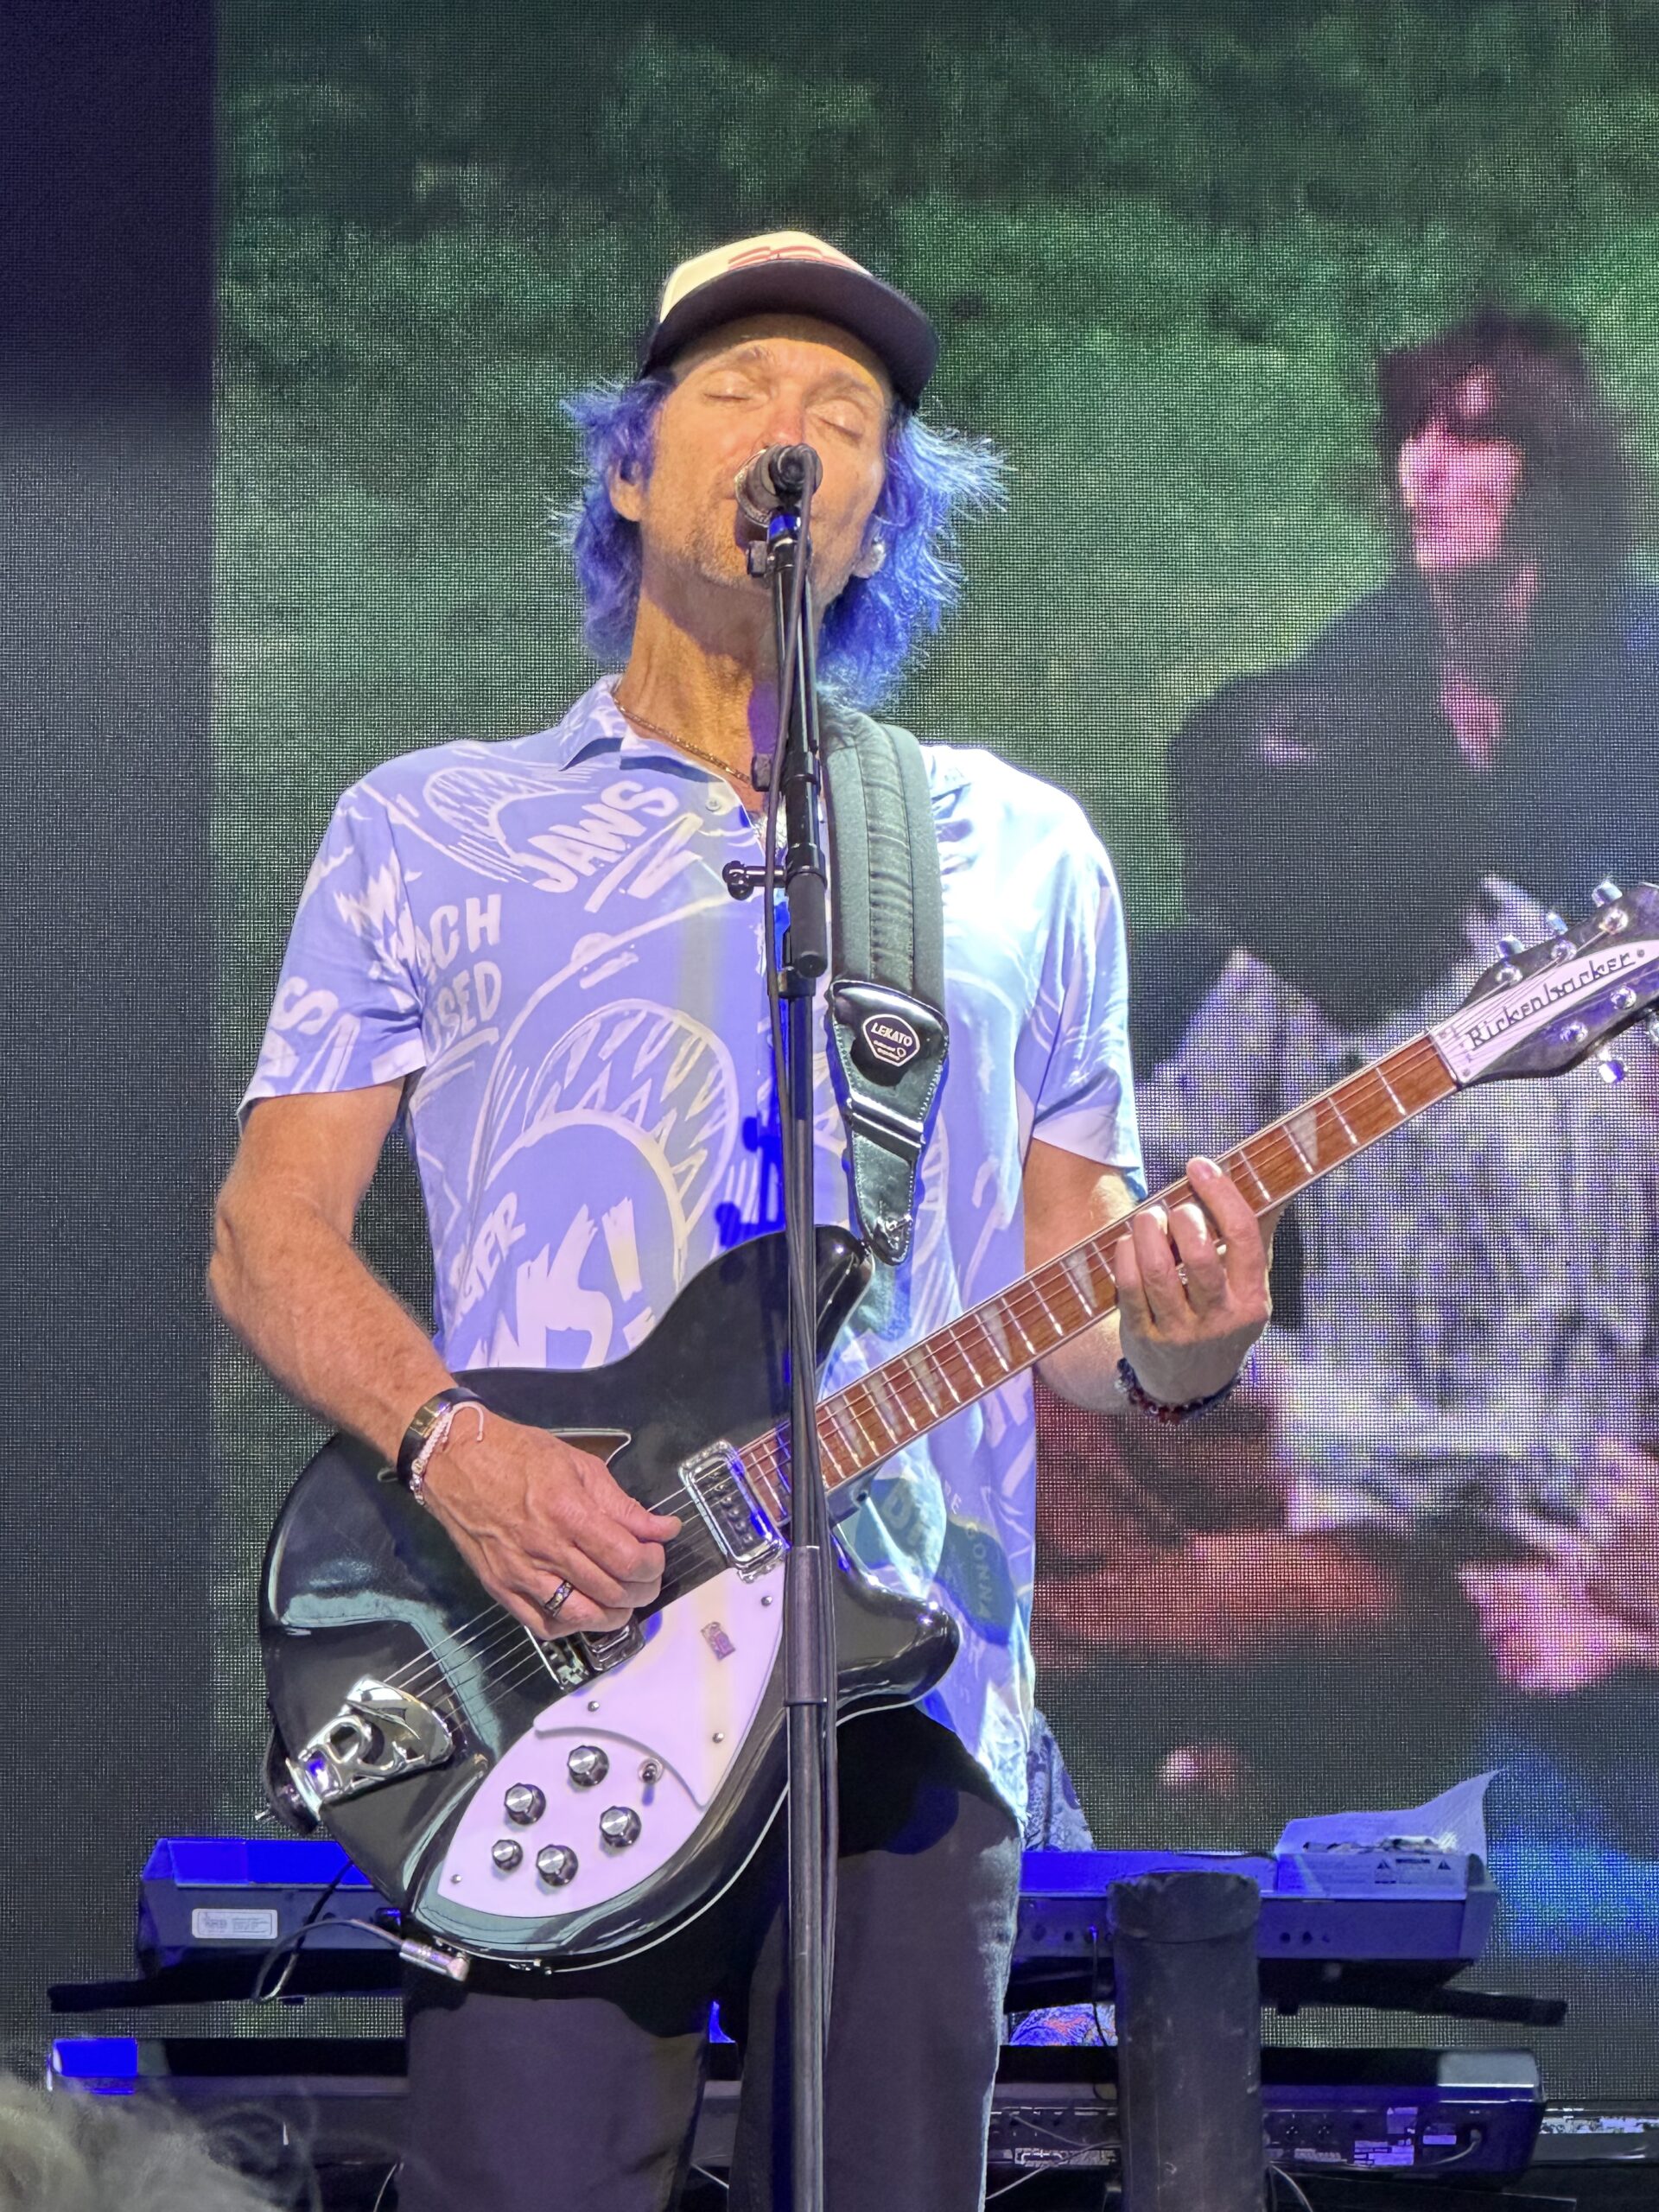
[
  {"x": 653, "y": 1529},
  {"x": 1235, "y": 1217},
  {"x": 1161, "y": 1281},
  {"x": 1136, "y": 1313},
  {"x": 617, "y": 1554},
  {"x": 603, "y": 1488},
  {"x": 550, "y": 1558},
  {"x": 579, "y": 1612},
  {"x": 1194, "y": 1240},
  {"x": 580, "y": 1605}
]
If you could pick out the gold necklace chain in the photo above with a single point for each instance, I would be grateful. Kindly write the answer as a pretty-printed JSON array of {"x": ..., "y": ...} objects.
[{"x": 679, "y": 744}]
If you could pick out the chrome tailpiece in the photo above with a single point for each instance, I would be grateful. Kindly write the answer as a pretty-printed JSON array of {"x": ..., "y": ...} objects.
[
  {"x": 737, "y": 1522},
  {"x": 378, "y": 1735}
]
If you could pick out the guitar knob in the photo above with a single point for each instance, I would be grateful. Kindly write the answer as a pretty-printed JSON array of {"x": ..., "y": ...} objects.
[
  {"x": 619, "y": 1826},
  {"x": 1606, "y": 892},
  {"x": 526, "y": 1804},
  {"x": 508, "y": 1853},
  {"x": 557, "y": 1865},
  {"x": 588, "y": 1765}
]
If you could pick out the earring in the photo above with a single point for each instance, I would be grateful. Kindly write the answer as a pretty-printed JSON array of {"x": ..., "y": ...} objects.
[{"x": 870, "y": 560}]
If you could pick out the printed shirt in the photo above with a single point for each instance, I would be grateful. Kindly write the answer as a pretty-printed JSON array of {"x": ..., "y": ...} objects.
[
  {"x": 535, "y": 937},
  {"x": 1480, "y": 1297}
]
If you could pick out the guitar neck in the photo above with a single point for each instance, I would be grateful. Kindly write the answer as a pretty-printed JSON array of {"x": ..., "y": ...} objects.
[{"x": 868, "y": 1421}]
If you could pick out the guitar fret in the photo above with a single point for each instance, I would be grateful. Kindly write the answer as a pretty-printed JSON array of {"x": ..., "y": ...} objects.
[
  {"x": 1343, "y": 1122},
  {"x": 1381, "y": 1072},
  {"x": 833, "y": 1415},
  {"x": 1082, "y": 1280},
  {"x": 1007, "y": 1307},
  {"x": 1058, "y": 1326},
  {"x": 959, "y": 1340},
  {"x": 867, "y": 1431},
  {"x": 942, "y": 1373},
  {"x": 873, "y": 1382},
  {"x": 1287, "y": 1130},
  {"x": 914, "y": 1371},
  {"x": 1241, "y": 1159},
  {"x": 990, "y": 1327}
]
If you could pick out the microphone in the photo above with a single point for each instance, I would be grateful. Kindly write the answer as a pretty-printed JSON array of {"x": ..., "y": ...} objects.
[{"x": 774, "y": 481}]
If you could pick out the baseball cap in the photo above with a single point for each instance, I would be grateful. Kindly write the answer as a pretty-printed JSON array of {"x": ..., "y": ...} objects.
[{"x": 790, "y": 273}]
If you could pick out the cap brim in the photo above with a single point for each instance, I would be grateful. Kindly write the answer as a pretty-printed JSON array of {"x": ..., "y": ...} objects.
[{"x": 893, "y": 327}]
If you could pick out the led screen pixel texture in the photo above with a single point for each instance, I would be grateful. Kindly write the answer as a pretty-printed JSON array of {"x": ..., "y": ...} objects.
[{"x": 1164, "y": 248}]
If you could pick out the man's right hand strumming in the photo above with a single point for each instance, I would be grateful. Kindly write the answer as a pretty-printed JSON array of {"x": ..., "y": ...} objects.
[
  {"x": 533, "y": 1517},
  {"x": 528, "y": 1513}
]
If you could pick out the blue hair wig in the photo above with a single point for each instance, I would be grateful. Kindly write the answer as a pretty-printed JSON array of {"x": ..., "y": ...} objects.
[{"x": 933, "y": 478}]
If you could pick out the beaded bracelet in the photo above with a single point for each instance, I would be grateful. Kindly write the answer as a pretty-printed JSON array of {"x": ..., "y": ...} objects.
[
  {"x": 429, "y": 1433},
  {"x": 1139, "y": 1396}
]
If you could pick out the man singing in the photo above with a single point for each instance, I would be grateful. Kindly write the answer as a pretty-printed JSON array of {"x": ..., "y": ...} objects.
[{"x": 527, "y": 951}]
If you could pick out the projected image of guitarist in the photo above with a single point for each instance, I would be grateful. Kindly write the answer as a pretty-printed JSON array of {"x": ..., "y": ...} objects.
[
  {"x": 1432, "y": 1495},
  {"x": 526, "y": 953}
]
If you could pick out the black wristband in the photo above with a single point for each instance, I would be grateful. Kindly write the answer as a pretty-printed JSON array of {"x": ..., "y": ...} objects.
[{"x": 425, "y": 1420}]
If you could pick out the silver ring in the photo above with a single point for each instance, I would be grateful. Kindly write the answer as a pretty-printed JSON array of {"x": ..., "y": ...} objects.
[{"x": 551, "y": 1605}]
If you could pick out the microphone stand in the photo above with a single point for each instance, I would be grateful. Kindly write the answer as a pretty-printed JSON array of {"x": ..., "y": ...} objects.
[{"x": 809, "y": 1596}]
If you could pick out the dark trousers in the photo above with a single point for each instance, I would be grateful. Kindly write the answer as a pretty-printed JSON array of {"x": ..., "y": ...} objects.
[{"x": 585, "y": 2100}]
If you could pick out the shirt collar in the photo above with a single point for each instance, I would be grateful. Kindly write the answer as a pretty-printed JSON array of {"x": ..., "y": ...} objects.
[{"x": 597, "y": 724}]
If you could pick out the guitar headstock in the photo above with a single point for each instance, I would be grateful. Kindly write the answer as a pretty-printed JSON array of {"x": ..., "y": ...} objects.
[{"x": 1544, "y": 1008}]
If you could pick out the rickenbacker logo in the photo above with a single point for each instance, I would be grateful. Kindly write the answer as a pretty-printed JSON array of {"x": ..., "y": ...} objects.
[
  {"x": 1478, "y": 1035},
  {"x": 890, "y": 1038}
]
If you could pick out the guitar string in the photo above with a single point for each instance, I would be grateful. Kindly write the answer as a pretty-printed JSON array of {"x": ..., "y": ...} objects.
[
  {"x": 500, "y": 1628},
  {"x": 766, "y": 1457},
  {"x": 1273, "y": 1147},
  {"x": 487, "y": 1659}
]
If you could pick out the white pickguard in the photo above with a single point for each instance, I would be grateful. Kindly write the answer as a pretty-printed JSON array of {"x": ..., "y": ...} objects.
[{"x": 685, "y": 1702}]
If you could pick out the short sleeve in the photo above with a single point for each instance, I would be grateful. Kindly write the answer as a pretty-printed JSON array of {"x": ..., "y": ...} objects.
[
  {"x": 1086, "y": 1100},
  {"x": 347, "y": 1011}
]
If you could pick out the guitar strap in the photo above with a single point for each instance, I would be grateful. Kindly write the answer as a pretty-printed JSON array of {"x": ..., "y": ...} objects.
[{"x": 886, "y": 1026}]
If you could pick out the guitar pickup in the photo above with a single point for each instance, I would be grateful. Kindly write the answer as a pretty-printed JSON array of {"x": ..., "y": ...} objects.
[
  {"x": 575, "y": 1660},
  {"x": 737, "y": 1522}
]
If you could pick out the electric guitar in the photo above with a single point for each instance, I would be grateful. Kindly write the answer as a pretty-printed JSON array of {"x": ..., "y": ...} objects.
[{"x": 566, "y": 1801}]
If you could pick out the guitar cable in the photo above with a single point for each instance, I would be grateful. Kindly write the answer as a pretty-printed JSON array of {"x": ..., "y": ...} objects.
[
  {"x": 1298, "y": 2195},
  {"x": 454, "y": 1964},
  {"x": 292, "y": 1943}
]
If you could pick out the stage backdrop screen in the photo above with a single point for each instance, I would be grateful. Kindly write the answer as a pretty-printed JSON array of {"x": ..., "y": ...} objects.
[{"x": 1320, "y": 342}]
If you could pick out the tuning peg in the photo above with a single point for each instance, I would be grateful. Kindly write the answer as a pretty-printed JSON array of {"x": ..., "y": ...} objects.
[
  {"x": 1651, "y": 1031},
  {"x": 1610, "y": 1068},
  {"x": 1554, "y": 924},
  {"x": 1606, "y": 892},
  {"x": 1511, "y": 947}
]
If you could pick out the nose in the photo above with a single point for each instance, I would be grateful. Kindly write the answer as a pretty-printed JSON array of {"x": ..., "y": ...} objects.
[
  {"x": 1423, "y": 461},
  {"x": 785, "y": 423}
]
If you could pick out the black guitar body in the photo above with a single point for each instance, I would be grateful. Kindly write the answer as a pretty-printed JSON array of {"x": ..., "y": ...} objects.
[{"x": 360, "y": 1582}]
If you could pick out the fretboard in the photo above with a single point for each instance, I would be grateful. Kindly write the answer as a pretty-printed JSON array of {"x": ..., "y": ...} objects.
[{"x": 894, "y": 1404}]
